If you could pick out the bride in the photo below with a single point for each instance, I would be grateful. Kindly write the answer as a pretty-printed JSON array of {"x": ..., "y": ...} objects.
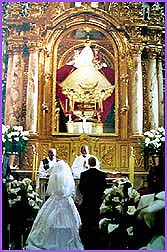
[{"x": 56, "y": 226}]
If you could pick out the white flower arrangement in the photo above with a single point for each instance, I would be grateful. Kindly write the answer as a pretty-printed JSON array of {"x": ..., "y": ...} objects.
[
  {"x": 153, "y": 141},
  {"x": 17, "y": 188},
  {"x": 119, "y": 201},
  {"x": 14, "y": 139}
]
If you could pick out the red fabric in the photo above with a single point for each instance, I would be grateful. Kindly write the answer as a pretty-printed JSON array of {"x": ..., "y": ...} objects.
[
  {"x": 61, "y": 75},
  {"x": 62, "y": 98},
  {"x": 107, "y": 104},
  {"x": 108, "y": 72},
  {"x": 63, "y": 72}
]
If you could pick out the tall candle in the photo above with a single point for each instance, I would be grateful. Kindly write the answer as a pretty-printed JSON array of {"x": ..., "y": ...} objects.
[
  {"x": 36, "y": 164},
  {"x": 101, "y": 105},
  {"x": 33, "y": 166},
  {"x": 70, "y": 117},
  {"x": 66, "y": 106},
  {"x": 131, "y": 166}
]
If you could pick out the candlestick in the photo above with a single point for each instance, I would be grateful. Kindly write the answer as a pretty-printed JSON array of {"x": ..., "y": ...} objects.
[
  {"x": 66, "y": 106},
  {"x": 33, "y": 166},
  {"x": 131, "y": 166},
  {"x": 101, "y": 105},
  {"x": 70, "y": 117},
  {"x": 36, "y": 165}
]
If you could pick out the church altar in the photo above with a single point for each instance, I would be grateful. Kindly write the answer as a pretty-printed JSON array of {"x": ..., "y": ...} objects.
[
  {"x": 84, "y": 127},
  {"x": 43, "y": 182},
  {"x": 51, "y": 54}
]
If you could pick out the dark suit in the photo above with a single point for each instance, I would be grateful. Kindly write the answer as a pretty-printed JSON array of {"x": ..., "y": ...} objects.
[
  {"x": 5, "y": 204},
  {"x": 5, "y": 167},
  {"x": 92, "y": 185}
]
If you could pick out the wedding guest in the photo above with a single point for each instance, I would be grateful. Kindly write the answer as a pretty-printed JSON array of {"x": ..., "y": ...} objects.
[
  {"x": 80, "y": 163},
  {"x": 5, "y": 205},
  {"x": 57, "y": 223},
  {"x": 156, "y": 176},
  {"x": 150, "y": 222}
]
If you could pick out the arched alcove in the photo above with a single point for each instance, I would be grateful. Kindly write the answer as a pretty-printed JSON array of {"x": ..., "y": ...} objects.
[{"x": 67, "y": 37}]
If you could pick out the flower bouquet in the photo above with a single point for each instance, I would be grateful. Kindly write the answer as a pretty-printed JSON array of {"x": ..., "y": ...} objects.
[
  {"x": 152, "y": 144},
  {"x": 153, "y": 141},
  {"x": 14, "y": 139},
  {"x": 24, "y": 204},
  {"x": 118, "y": 205},
  {"x": 22, "y": 191}
]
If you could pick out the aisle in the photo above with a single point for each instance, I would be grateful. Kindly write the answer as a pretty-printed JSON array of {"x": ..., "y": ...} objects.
[{"x": 93, "y": 238}]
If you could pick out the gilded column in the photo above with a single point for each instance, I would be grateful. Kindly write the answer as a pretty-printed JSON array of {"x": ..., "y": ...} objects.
[
  {"x": 8, "y": 101},
  {"x": 136, "y": 93},
  {"x": 41, "y": 91},
  {"x": 160, "y": 90},
  {"x": 32, "y": 92},
  {"x": 44, "y": 95},
  {"x": 14, "y": 89},
  {"x": 152, "y": 90},
  {"x": 124, "y": 104}
]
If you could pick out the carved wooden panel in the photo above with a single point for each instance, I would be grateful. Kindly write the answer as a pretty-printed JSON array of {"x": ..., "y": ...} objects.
[
  {"x": 43, "y": 150},
  {"x": 26, "y": 161},
  {"x": 63, "y": 150},
  {"x": 108, "y": 156},
  {"x": 123, "y": 157}
]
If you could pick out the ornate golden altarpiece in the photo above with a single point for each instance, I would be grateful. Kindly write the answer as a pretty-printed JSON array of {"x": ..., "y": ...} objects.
[{"x": 42, "y": 37}]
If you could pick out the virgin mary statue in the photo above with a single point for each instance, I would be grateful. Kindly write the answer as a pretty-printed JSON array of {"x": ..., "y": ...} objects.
[{"x": 86, "y": 76}]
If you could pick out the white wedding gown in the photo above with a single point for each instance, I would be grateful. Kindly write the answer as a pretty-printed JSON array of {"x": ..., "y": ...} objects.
[{"x": 57, "y": 223}]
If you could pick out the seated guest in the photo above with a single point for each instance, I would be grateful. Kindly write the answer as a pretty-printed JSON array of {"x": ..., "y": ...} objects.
[
  {"x": 80, "y": 164},
  {"x": 5, "y": 204},
  {"x": 150, "y": 222},
  {"x": 56, "y": 226},
  {"x": 92, "y": 185}
]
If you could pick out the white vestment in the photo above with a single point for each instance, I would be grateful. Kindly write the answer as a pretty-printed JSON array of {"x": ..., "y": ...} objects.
[{"x": 80, "y": 164}]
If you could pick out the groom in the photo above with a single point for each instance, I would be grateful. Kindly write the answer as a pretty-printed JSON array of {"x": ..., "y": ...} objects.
[{"x": 92, "y": 185}]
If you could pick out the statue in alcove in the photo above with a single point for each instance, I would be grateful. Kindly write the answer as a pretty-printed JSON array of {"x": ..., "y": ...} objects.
[{"x": 87, "y": 88}]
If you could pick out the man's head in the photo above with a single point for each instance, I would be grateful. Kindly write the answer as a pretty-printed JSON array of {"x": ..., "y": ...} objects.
[
  {"x": 51, "y": 153},
  {"x": 92, "y": 162},
  {"x": 84, "y": 150}
]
